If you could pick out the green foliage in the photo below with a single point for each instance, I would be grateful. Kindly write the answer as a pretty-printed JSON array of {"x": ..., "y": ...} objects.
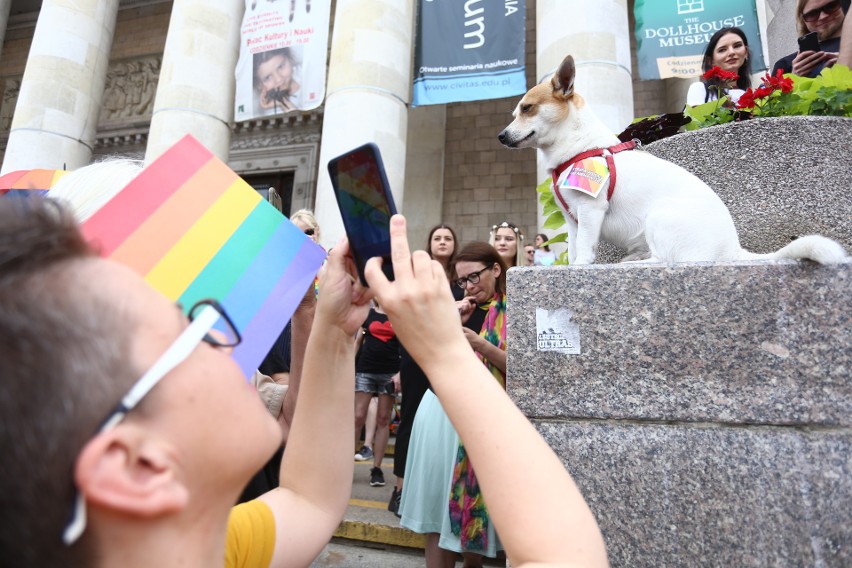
[
  {"x": 554, "y": 219},
  {"x": 552, "y": 213},
  {"x": 828, "y": 94},
  {"x": 708, "y": 114}
]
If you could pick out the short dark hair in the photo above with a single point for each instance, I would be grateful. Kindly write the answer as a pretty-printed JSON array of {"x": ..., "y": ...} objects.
[
  {"x": 477, "y": 251},
  {"x": 744, "y": 81},
  {"x": 65, "y": 364}
]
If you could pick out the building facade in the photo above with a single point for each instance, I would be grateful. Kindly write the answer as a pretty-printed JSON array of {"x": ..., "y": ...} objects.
[{"x": 82, "y": 81}]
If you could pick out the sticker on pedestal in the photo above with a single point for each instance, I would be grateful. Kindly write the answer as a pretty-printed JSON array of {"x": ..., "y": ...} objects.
[{"x": 556, "y": 332}]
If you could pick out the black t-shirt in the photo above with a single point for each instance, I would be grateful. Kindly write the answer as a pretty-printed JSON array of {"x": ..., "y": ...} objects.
[
  {"x": 278, "y": 358},
  {"x": 379, "y": 351}
]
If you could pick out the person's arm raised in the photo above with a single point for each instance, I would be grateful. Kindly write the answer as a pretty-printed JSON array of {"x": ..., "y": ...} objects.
[
  {"x": 539, "y": 513},
  {"x": 300, "y": 329},
  {"x": 316, "y": 471},
  {"x": 845, "y": 55}
]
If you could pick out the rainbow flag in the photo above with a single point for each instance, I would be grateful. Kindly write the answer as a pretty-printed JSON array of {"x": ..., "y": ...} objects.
[
  {"x": 28, "y": 183},
  {"x": 194, "y": 229}
]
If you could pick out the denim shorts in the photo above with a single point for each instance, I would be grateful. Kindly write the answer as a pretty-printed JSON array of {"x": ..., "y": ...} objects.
[{"x": 376, "y": 383}]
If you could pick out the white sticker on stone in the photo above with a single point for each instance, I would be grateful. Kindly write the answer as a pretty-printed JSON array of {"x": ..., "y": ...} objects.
[{"x": 556, "y": 332}]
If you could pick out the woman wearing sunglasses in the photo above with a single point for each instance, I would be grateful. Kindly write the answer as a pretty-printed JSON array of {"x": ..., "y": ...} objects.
[{"x": 825, "y": 17}]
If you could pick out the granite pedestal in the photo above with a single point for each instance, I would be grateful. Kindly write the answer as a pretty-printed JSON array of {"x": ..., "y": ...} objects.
[{"x": 705, "y": 410}]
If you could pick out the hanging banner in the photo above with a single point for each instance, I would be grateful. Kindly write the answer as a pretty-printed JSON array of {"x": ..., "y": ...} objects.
[
  {"x": 469, "y": 50},
  {"x": 283, "y": 49},
  {"x": 671, "y": 35}
]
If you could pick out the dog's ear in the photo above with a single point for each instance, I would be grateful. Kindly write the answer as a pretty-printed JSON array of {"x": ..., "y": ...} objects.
[{"x": 563, "y": 79}]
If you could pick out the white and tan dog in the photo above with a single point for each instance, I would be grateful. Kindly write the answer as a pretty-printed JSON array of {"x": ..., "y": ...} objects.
[{"x": 658, "y": 211}]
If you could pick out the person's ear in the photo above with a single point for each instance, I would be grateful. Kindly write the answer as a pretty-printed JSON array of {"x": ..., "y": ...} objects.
[
  {"x": 496, "y": 270},
  {"x": 128, "y": 471}
]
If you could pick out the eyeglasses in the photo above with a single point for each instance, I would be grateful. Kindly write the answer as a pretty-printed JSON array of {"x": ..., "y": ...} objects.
[
  {"x": 827, "y": 9},
  {"x": 473, "y": 278},
  {"x": 310, "y": 232},
  {"x": 203, "y": 316}
]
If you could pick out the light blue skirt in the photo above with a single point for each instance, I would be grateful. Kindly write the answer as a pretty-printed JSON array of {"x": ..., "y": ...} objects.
[{"x": 428, "y": 476}]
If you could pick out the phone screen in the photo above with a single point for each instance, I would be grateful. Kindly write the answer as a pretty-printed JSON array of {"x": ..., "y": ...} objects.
[
  {"x": 366, "y": 204},
  {"x": 809, "y": 42}
]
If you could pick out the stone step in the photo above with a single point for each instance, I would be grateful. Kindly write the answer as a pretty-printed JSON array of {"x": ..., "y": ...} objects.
[
  {"x": 344, "y": 553},
  {"x": 371, "y": 533},
  {"x": 367, "y": 518}
]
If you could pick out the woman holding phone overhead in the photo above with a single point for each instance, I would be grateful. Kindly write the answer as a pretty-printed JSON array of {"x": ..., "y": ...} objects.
[{"x": 441, "y": 495}]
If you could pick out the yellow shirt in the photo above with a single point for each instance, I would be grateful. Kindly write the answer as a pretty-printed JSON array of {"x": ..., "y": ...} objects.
[{"x": 251, "y": 536}]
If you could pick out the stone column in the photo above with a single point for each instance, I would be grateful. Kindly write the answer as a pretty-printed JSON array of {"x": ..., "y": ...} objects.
[
  {"x": 195, "y": 94},
  {"x": 61, "y": 92},
  {"x": 5, "y": 6},
  {"x": 369, "y": 79},
  {"x": 599, "y": 39}
]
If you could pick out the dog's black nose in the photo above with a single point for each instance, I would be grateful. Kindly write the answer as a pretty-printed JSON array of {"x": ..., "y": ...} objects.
[{"x": 502, "y": 137}]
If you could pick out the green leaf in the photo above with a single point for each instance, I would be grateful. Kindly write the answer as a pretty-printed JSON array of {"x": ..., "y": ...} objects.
[
  {"x": 838, "y": 76},
  {"x": 544, "y": 187},
  {"x": 560, "y": 238},
  {"x": 554, "y": 221},
  {"x": 562, "y": 260}
]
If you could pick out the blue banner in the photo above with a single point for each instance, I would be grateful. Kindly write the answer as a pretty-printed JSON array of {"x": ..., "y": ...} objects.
[{"x": 469, "y": 50}]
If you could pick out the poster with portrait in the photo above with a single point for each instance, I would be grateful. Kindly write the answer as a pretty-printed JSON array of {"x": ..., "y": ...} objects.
[{"x": 283, "y": 50}]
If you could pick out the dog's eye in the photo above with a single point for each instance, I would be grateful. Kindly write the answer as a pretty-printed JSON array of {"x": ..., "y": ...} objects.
[{"x": 526, "y": 108}]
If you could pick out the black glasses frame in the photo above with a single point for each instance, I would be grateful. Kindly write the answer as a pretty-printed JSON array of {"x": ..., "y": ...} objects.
[
  {"x": 235, "y": 336},
  {"x": 813, "y": 15},
  {"x": 473, "y": 278}
]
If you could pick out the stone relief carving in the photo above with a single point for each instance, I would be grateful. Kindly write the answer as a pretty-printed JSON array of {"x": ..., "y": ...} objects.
[
  {"x": 250, "y": 143},
  {"x": 130, "y": 89},
  {"x": 11, "y": 88}
]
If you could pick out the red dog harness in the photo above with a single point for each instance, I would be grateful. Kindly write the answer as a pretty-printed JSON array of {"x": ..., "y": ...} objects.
[{"x": 594, "y": 153}]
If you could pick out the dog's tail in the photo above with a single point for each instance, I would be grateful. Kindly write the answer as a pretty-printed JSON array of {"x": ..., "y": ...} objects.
[{"x": 812, "y": 247}]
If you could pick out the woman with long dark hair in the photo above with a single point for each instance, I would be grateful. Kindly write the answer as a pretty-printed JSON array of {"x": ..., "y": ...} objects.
[{"x": 728, "y": 50}]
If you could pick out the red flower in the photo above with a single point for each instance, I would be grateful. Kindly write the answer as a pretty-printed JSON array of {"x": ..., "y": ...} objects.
[
  {"x": 718, "y": 73},
  {"x": 779, "y": 81},
  {"x": 746, "y": 100},
  {"x": 762, "y": 92}
]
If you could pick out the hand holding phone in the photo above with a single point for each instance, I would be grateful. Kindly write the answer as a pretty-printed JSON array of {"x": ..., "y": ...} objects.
[{"x": 366, "y": 205}]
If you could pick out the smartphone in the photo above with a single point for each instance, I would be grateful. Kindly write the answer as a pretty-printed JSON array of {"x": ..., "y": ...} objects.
[
  {"x": 809, "y": 42},
  {"x": 366, "y": 205}
]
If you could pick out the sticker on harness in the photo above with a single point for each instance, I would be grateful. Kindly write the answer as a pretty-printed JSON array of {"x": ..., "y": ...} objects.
[{"x": 587, "y": 176}]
